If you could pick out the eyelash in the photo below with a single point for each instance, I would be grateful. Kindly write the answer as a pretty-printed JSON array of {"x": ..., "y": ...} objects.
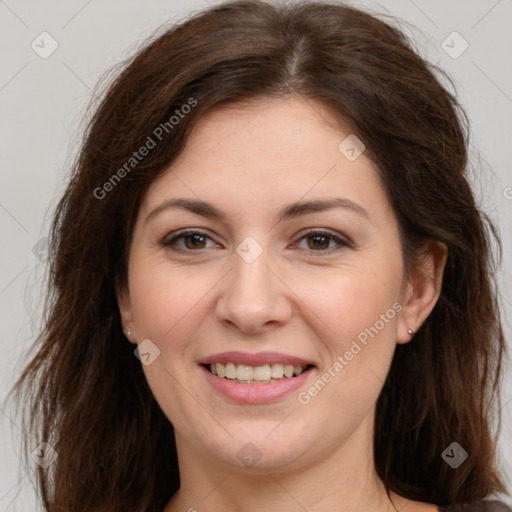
[{"x": 168, "y": 242}]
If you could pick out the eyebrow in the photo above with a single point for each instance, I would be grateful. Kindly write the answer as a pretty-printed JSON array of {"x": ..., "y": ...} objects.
[{"x": 289, "y": 211}]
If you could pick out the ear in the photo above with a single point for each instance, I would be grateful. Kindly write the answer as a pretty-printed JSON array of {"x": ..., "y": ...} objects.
[
  {"x": 422, "y": 289},
  {"x": 125, "y": 310}
]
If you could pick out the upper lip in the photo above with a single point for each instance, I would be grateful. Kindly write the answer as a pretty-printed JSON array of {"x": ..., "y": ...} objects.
[{"x": 258, "y": 359}]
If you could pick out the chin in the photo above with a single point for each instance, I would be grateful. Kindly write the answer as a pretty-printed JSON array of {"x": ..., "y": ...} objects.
[{"x": 260, "y": 453}]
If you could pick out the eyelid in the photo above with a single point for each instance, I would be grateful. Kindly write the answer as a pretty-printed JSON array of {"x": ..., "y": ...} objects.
[
  {"x": 167, "y": 240},
  {"x": 341, "y": 240}
]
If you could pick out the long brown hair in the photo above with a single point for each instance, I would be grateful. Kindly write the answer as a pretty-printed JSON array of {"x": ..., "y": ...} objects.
[{"x": 84, "y": 391}]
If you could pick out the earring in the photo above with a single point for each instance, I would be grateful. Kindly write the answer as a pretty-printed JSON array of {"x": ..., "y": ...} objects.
[
  {"x": 410, "y": 331},
  {"x": 128, "y": 333}
]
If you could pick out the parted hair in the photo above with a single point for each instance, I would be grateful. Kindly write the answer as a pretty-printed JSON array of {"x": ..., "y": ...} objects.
[{"x": 83, "y": 391}]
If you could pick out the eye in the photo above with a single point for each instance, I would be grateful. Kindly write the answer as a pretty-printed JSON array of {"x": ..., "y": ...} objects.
[
  {"x": 319, "y": 241},
  {"x": 193, "y": 240}
]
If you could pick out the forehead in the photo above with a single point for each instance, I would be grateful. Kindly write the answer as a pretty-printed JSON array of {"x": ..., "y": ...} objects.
[
  {"x": 259, "y": 155},
  {"x": 271, "y": 127}
]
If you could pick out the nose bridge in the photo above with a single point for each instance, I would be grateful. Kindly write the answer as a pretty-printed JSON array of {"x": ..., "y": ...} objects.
[
  {"x": 251, "y": 268},
  {"x": 253, "y": 296}
]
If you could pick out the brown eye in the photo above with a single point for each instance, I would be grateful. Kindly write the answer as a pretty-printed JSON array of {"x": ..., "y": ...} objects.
[
  {"x": 319, "y": 241},
  {"x": 196, "y": 241},
  {"x": 193, "y": 240}
]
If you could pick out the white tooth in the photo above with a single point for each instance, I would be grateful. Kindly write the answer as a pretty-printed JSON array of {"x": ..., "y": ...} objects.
[
  {"x": 230, "y": 371},
  {"x": 244, "y": 372},
  {"x": 221, "y": 370},
  {"x": 288, "y": 370},
  {"x": 262, "y": 372},
  {"x": 277, "y": 371}
]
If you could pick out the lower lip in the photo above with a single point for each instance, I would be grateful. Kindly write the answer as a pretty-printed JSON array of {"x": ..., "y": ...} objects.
[{"x": 255, "y": 393}]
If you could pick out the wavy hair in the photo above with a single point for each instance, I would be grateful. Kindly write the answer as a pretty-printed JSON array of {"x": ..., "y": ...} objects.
[{"x": 84, "y": 392}]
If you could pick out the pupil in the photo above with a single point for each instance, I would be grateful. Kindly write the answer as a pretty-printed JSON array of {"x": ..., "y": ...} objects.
[
  {"x": 317, "y": 240},
  {"x": 195, "y": 239},
  {"x": 319, "y": 237}
]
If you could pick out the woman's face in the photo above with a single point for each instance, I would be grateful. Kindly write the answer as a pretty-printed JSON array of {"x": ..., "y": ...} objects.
[{"x": 275, "y": 278}]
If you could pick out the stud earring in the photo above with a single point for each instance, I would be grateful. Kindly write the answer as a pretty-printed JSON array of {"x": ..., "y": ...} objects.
[
  {"x": 410, "y": 331},
  {"x": 128, "y": 333}
]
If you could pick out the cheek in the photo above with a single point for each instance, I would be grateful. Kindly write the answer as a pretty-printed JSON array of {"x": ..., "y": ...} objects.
[
  {"x": 360, "y": 310},
  {"x": 348, "y": 302},
  {"x": 360, "y": 306},
  {"x": 165, "y": 308},
  {"x": 165, "y": 297},
  {"x": 369, "y": 304}
]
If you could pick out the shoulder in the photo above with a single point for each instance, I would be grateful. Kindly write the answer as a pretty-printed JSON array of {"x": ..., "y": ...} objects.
[{"x": 477, "y": 506}]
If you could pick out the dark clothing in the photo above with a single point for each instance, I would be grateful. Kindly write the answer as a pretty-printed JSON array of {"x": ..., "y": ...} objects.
[{"x": 477, "y": 506}]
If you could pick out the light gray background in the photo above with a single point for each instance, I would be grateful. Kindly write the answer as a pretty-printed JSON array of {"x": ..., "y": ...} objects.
[{"x": 43, "y": 101}]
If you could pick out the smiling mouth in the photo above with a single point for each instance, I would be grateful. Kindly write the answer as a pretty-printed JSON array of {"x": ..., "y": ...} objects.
[{"x": 264, "y": 374}]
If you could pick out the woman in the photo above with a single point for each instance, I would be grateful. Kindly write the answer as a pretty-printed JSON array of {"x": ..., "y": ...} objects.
[{"x": 271, "y": 288}]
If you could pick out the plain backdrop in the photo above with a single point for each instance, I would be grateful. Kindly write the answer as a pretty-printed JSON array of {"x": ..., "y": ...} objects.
[{"x": 43, "y": 99}]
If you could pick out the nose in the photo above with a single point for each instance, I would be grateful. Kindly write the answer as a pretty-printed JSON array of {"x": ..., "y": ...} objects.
[{"x": 254, "y": 297}]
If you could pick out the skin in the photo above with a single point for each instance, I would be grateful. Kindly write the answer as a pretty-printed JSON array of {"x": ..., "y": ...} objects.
[{"x": 249, "y": 160}]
